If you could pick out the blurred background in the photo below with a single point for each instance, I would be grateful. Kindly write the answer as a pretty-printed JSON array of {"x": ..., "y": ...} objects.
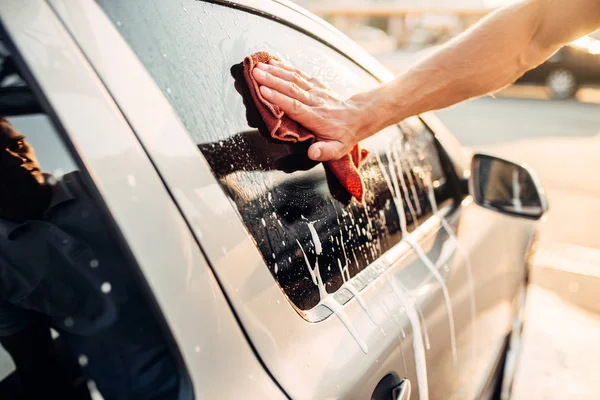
[{"x": 550, "y": 119}]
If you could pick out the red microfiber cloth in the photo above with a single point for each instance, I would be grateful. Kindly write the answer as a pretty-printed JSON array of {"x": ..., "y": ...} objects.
[{"x": 280, "y": 127}]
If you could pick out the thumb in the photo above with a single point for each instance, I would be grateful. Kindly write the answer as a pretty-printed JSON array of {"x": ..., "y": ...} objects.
[{"x": 326, "y": 151}]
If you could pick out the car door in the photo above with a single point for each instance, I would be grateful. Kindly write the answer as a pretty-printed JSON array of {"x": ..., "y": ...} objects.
[{"x": 400, "y": 295}]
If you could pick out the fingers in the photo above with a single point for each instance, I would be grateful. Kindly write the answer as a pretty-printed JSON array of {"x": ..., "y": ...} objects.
[
  {"x": 314, "y": 82},
  {"x": 294, "y": 108},
  {"x": 290, "y": 68},
  {"x": 284, "y": 85},
  {"x": 291, "y": 76},
  {"x": 326, "y": 151}
]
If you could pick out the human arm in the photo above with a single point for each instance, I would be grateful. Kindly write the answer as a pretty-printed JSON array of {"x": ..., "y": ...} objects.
[{"x": 489, "y": 56}]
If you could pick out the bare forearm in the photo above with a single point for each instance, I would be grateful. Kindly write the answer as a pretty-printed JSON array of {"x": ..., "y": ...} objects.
[{"x": 485, "y": 59}]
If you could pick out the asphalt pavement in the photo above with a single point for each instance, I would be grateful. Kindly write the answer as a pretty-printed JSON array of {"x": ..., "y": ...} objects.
[
  {"x": 560, "y": 351},
  {"x": 504, "y": 120}
]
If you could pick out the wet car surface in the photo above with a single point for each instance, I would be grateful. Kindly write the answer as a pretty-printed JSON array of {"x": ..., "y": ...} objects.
[{"x": 269, "y": 285}]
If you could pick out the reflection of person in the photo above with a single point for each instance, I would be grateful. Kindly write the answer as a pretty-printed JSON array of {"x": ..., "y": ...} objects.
[
  {"x": 260, "y": 154},
  {"x": 25, "y": 334},
  {"x": 491, "y": 55},
  {"x": 60, "y": 269}
]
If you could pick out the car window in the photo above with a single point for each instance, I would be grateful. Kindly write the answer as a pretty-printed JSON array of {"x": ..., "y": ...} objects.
[
  {"x": 76, "y": 321},
  {"x": 304, "y": 230}
]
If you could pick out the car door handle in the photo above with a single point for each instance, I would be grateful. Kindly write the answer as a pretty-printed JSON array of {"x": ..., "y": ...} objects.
[{"x": 402, "y": 391}]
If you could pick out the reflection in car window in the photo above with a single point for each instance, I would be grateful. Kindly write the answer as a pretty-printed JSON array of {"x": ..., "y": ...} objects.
[
  {"x": 75, "y": 322},
  {"x": 191, "y": 50}
]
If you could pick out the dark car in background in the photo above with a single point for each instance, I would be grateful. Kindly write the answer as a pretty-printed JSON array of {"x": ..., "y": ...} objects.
[{"x": 571, "y": 67}]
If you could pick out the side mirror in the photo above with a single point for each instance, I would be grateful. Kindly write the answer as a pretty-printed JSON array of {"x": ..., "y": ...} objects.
[{"x": 506, "y": 187}]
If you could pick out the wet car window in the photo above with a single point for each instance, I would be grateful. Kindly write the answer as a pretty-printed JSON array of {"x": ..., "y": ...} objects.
[
  {"x": 192, "y": 51},
  {"x": 75, "y": 319}
]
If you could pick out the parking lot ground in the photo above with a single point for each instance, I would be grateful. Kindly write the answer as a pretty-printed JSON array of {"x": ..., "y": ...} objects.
[
  {"x": 560, "y": 350},
  {"x": 572, "y": 272}
]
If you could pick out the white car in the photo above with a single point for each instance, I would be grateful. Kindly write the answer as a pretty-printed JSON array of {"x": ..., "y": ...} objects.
[{"x": 164, "y": 252}]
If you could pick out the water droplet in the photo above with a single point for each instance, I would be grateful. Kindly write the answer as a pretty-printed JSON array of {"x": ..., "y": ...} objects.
[
  {"x": 94, "y": 263},
  {"x": 250, "y": 376},
  {"x": 223, "y": 250},
  {"x": 164, "y": 55},
  {"x": 278, "y": 302},
  {"x": 119, "y": 23},
  {"x": 69, "y": 322},
  {"x": 106, "y": 287},
  {"x": 283, "y": 242},
  {"x": 169, "y": 90},
  {"x": 263, "y": 222},
  {"x": 276, "y": 268},
  {"x": 185, "y": 9},
  {"x": 83, "y": 360},
  {"x": 197, "y": 349},
  {"x": 65, "y": 241},
  {"x": 131, "y": 180}
]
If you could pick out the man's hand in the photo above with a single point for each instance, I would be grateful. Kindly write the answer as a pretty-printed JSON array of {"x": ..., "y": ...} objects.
[{"x": 335, "y": 122}]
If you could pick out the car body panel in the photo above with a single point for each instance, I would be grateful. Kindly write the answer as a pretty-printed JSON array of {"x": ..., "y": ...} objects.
[
  {"x": 309, "y": 360},
  {"x": 170, "y": 259}
]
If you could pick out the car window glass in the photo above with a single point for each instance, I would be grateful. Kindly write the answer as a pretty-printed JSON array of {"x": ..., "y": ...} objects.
[
  {"x": 75, "y": 319},
  {"x": 286, "y": 202}
]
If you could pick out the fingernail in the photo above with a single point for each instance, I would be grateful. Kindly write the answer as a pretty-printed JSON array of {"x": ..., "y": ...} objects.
[
  {"x": 316, "y": 153},
  {"x": 259, "y": 74}
]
